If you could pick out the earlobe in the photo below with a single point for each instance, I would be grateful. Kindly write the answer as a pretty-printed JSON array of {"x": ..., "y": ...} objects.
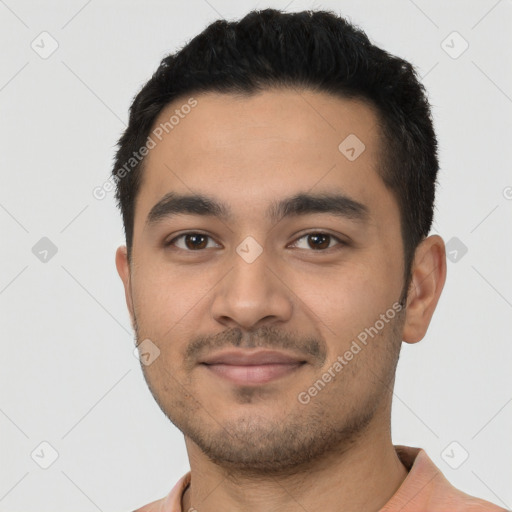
[
  {"x": 123, "y": 269},
  {"x": 427, "y": 281}
]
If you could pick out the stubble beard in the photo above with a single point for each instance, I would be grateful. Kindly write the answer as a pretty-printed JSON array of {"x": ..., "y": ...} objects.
[{"x": 255, "y": 445}]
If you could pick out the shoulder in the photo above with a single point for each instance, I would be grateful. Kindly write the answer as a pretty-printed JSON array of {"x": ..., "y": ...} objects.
[
  {"x": 426, "y": 488},
  {"x": 154, "y": 506},
  {"x": 171, "y": 502},
  {"x": 458, "y": 501}
]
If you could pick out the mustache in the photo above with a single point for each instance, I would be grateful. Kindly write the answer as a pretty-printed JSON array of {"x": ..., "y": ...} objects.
[{"x": 314, "y": 347}]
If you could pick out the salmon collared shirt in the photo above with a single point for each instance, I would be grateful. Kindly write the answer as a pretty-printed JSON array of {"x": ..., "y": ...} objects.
[{"x": 425, "y": 489}]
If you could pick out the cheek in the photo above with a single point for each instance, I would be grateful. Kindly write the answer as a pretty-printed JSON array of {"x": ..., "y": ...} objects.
[
  {"x": 167, "y": 294},
  {"x": 168, "y": 301},
  {"x": 344, "y": 302}
]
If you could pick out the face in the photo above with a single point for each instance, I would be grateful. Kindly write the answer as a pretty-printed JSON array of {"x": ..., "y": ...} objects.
[{"x": 296, "y": 248}]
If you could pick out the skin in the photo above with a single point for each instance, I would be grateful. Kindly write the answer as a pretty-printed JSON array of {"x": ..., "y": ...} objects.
[{"x": 258, "y": 448}]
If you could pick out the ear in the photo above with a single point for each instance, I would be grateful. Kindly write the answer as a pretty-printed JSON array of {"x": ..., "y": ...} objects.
[
  {"x": 123, "y": 269},
  {"x": 427, "y": 281}
]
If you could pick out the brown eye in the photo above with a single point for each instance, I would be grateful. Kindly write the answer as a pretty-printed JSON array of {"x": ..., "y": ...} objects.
[
  {"x": 192, "y": 241},
  {"x": 196, "y": 241},
  {"x": 318, "y": 241}
]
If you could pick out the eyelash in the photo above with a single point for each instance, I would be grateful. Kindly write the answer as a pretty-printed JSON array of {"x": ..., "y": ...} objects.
[{"x": 340, "y": 242}]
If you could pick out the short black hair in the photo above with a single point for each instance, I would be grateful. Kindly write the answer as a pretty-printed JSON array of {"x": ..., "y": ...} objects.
[{"x": 309, "y": 50}]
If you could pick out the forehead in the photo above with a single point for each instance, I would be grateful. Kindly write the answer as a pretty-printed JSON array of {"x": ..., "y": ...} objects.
[{"x": 252, "y": 149}]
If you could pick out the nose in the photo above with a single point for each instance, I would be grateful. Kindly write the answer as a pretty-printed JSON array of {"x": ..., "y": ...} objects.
[{"x": 252, "y": 295}]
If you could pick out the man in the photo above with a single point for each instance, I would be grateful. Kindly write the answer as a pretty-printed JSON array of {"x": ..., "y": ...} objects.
[{"x": 277, "y": 182}]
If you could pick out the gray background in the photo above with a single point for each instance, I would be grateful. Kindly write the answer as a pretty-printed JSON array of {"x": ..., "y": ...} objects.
[{"x": 69, "y": 376}]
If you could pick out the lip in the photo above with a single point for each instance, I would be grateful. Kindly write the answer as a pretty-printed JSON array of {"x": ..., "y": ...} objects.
[
  {"x": 252, "y": 358},
  {"x": 252, "y": 368}
]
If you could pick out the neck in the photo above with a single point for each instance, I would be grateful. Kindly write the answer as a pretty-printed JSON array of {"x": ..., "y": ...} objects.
[{"x": 362, "y": 477}]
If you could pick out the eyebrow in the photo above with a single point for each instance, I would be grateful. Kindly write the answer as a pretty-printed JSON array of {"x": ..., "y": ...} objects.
[{"x": 340, "y": 205}]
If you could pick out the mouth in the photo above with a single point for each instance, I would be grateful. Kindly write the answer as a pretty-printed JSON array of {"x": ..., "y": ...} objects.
[{"x": 252, "y": 368}]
